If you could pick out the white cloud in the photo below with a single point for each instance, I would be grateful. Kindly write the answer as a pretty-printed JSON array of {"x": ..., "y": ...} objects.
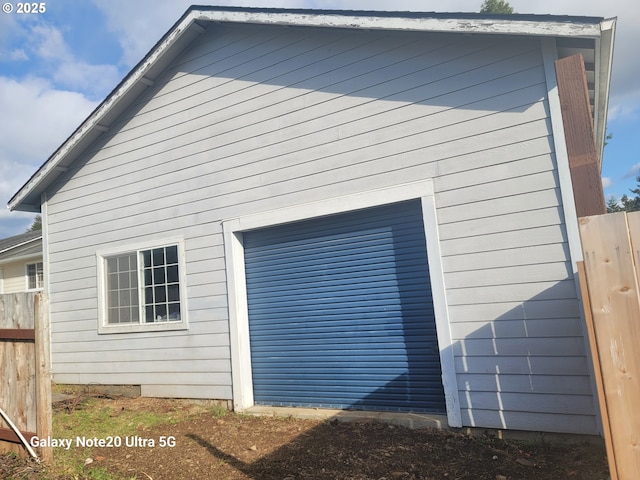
[
  {"x": 606, "y": 182},
  {"x": 633, "y": 171},
  {"x": 98, "y": 80},
  {"x": 37, "y": 119},
  {"x": 18, "y": 54},
  {"x": 48, "y": 43}
]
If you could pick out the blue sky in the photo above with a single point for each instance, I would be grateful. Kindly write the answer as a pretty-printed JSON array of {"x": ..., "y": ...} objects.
[{"x": 56, "y": 66}]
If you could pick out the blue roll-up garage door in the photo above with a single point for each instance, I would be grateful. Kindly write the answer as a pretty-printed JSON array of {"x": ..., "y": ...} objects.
[{"x": 341, "y": 312}]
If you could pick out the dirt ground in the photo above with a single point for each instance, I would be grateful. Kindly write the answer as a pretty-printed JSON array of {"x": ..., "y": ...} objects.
[{"x": 242, "y": 447}]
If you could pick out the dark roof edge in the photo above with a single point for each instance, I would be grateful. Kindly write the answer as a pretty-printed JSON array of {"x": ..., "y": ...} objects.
[{"x": 15, "y": 241}]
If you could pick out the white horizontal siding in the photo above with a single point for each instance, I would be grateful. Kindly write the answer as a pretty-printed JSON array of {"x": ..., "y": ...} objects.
[
  {"x": 532, "y": 309},
  {"x": 534, "y": 328},
  {"x": 527, "y": 420},
  {"x": 543, "y": 384},
  {"x": 14, "y": 277},
  {"x": 522, "y": 365},
  {"x": 252, "y": 119}
]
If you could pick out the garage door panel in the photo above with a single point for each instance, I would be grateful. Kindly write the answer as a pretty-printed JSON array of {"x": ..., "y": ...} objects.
[{"x": 341, "y": 314}]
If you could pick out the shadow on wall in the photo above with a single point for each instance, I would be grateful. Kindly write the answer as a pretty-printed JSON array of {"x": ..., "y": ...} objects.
[
  {"x": 520, "y": 365},
  {"x": 352, "y": 69},
  {"x": 527, "y": 369}
]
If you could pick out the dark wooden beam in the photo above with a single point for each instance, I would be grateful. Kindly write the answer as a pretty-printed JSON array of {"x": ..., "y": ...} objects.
[
  {"x": 17, "y": 334},
  {"x": 9, "y": 435},
  {"x": 579, "y": 136}
]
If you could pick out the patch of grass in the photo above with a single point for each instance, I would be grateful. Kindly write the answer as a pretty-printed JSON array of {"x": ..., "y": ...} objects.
[
  {"x": 102, "y": 418},
  {"x": 219, "y": 411}
]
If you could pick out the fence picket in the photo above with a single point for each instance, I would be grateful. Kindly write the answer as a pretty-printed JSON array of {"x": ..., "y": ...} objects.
[
  {"x": 610, "y": 245},
  {"x": 25, "y": 383}
]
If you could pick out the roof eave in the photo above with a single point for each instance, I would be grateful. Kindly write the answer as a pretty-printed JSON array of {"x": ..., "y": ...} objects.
[
  {"x": 187, "y": 28},
  {"x": 604, "y": 57},
  {"x": 22, "y": 244}
]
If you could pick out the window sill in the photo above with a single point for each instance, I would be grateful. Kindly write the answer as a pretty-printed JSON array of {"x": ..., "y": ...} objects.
[{"x": 144, "y": 328}]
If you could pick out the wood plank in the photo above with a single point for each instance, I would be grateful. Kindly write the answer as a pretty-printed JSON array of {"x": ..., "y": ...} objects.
[
  {"x": 17, "y": 334},
  {"x": 612, "y": 280},
  {"x": 598, "y": 373},
  {"x": 584, "y": 161},
  {"x": 17, "y": 380},
  {"x": 633, "y": 221},
  {"x": 8, "y": 435},
  {"x": 43, "y": 373}
]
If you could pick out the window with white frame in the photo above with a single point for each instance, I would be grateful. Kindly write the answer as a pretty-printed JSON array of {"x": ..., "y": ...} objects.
[
  {"x": 35, "y": 276},
  {"x": 143, "y": 288}
]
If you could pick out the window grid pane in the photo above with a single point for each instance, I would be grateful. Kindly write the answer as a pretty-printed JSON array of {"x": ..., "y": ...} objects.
[
  {"x": 161, "y": 282},
  {"x": 122, "y": 289},
  {"x": 35, "y": 275}
]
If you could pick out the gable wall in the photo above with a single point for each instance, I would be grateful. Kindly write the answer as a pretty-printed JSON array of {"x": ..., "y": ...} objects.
[{"x": 256, "y": 118}]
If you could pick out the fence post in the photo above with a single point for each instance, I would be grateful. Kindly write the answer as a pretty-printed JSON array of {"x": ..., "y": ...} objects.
[{"x": 43, "y": 372}]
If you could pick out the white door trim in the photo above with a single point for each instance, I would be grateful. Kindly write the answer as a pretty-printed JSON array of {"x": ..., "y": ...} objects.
[{"x": 237, "y": 291}]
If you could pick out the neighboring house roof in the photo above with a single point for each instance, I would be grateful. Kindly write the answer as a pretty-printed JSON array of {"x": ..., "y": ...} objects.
[
  {"x": 591, "y": 36},
  {"x": 24, "y": 245}
]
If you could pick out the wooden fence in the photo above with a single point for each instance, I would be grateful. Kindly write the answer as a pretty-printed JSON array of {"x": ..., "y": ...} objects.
[
  {"x": 609, "y": 281},
  {"x": 25, "y": 378}
]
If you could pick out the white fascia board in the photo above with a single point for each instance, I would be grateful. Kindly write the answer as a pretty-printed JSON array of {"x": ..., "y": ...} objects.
[
  {"x": 604, "y": 63},
  {"x": 373, "y": 22}
]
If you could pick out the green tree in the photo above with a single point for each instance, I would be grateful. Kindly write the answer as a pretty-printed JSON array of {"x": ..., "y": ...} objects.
[
  {"x": 626, "y": 203},
  {"x": 613, "y": 206},
  {"x": 496, "y": 6},
  {"x": 36, "y": 225}
]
